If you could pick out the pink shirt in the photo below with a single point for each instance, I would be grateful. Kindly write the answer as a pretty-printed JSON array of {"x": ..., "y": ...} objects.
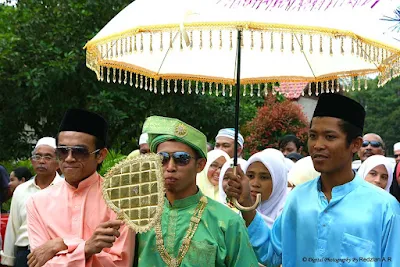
[{"x": 73, "y": 214}]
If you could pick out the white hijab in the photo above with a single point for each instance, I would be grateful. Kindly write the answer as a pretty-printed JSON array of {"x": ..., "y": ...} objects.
[
  {"x": 373, "y": 161},
  {"x": 302, "y": 171},
  {"x": 289, "y": 164},
  {"x": 206, "y": 187},
  {"x": 227, "y": 165},
  {"x": 275, "y": 162}
]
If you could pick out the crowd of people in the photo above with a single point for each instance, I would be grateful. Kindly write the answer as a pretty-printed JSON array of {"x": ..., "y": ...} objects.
[{"x": 319, "y": 208}]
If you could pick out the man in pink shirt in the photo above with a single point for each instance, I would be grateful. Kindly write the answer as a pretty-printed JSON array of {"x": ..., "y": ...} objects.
[{"x": 70, "y": 224}]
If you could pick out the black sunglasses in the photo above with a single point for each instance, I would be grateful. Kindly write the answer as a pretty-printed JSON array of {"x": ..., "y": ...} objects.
[
  {"x": 372, "y": 143},
  {"x": 78, "y": 152},
  {"x": 396, "y": 156},
  {"x": 180, "y": 158}
]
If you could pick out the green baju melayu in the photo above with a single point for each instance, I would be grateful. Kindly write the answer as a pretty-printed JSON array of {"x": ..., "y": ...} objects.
[{"x": 220, "y": 240}]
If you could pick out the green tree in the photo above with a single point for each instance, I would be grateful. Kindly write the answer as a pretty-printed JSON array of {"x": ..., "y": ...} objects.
[
  {"x": 43, "y": 73},
  {"x": 274, "y": 120},
  {"x": 382, "y": 107},
  {"x": 11, "y": 139}
]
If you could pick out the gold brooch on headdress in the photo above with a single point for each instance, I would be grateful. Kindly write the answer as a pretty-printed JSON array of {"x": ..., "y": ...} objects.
[{"x": 181, "y": 130}]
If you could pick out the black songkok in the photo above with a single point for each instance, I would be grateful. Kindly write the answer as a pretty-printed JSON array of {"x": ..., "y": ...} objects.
[
  {"x": 341, "y": 107},
  {"x": 79, "y": 120}
]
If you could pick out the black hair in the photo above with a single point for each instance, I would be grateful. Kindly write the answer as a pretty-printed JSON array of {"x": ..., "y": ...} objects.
[
  {"x": 289, "y": 138},
  {"x": 197, "y": 155},
  {"x": 100, "y": 144},
  {"x": 22, "y": 172},
  {"x": 351, "y": 131}
]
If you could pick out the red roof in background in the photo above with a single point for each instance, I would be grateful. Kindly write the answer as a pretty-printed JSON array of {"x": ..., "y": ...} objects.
[{"x": 291, "y": 90}]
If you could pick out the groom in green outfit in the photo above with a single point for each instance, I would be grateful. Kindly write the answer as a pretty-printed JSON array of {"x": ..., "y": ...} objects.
[{"x": 194, "y": 230}]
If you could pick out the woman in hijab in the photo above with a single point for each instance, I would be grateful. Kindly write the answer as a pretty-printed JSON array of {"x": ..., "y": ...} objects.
[
  {"x": 377, "y": 170},
  {"x": 207, "y": 180},
  {"x": 302, "y": 171},
  {"x": 268, "y": 175},
  {"x": 289, "y": 164},
  {"x": 223, "y": 181}
]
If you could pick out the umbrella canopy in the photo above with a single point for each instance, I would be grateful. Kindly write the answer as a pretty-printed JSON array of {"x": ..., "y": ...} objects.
[
  {"x": 196, "y": 41},
  {"x": 203, "y": 45}
]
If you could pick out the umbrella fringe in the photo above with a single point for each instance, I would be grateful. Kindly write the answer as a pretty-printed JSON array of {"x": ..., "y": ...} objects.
[
  {"x": 127, "y": 41},
  {"x": 259, "y": 89},
  {"x": 106, "y": 53},
  {"x": 124, "y": 76}
]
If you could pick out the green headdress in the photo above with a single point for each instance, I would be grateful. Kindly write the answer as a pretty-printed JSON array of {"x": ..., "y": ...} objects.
[{"x": 162, "y": 129}]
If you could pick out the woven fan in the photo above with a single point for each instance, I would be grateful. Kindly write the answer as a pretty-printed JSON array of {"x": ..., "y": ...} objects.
[{"x": 134, "y": 189}]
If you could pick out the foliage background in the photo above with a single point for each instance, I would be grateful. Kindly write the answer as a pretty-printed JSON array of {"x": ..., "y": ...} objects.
[
  {"x": 275, "y": 119},
  {"x": 382, "y": 106},
  {"x": 43, "y": 73}
]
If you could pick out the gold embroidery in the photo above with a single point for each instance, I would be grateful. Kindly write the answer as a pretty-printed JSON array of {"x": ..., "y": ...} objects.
[{"x": 194, "y": 223}]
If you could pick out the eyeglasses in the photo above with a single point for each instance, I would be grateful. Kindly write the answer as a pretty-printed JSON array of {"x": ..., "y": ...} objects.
[
  {"x": 78, "y": 152},
  {"x": 38, "y": 157},
  {"x": 180, "y": 158},
  {"x": 372, "y": 143},
  {"x": 215, "y": 167},
  {"x": 396, "y": 156}
]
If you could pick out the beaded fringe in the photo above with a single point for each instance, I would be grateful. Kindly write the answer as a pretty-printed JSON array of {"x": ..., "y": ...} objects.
[{"x": 178, "y": 86}]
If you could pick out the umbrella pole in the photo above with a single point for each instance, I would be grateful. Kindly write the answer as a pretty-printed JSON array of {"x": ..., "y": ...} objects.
[
  {"x": 237, "y": 109},
  {"x": 237, "y": 99}
]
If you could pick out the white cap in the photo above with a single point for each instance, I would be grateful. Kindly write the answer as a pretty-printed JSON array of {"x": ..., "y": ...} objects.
[
  {"x": 47, "y": 141},
  {"x": 230, "y": 133},
  {"x": 396, "y": 146},
  {"x": 144, "y": 137}
]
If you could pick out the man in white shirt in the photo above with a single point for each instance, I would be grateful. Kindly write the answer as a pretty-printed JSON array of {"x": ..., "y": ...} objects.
[{"x": 45, "y": 164}]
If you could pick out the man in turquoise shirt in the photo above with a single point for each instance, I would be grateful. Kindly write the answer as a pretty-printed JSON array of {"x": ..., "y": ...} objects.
[{"x": 337, "y": 219}]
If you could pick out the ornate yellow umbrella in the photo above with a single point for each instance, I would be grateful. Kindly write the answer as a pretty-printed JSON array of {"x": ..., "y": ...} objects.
[
  {"x": 214, "y": 46},
  {"x": 156, "y": 42}
]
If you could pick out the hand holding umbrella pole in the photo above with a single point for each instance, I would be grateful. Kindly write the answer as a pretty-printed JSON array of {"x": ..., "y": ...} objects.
[
  {"x": 237, "y": 107},
  {"x": 242, "y": 208}
]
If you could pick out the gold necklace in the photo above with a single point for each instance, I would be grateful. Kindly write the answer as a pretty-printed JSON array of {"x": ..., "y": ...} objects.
[{"x": 194, "y": 222}]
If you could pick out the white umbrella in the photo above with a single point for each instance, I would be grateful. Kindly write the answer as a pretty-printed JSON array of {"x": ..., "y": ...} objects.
[
  {"x": 192, "y": 46},
  {"x": 147, "y": 39}
]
